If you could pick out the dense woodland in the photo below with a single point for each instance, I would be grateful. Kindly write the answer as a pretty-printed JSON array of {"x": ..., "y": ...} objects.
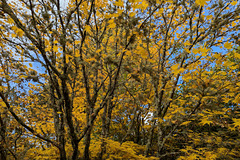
[{"x": 120, "y": 79}]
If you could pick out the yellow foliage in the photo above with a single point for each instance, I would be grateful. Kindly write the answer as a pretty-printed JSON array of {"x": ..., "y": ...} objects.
[
  {"x": 201, "y": 2},
  {"x": 228, "y": 45}
]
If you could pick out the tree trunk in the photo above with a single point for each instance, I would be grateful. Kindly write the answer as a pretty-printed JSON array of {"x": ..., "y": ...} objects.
[
  {"x": 149, "y": 141},
  {"x": 58, "y": 122},
  {"x": 87, "y": 144},
  {"x": 89, "y": 112},
  {"x": 104, "y": 135},
  {"x": 3, "y": 151},
  {"x": 62, "y": 153},
  {"x": 160, "y": 139}
]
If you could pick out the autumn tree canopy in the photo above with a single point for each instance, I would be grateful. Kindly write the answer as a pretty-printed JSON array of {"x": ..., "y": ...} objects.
[{"x": 100, "y": 79}]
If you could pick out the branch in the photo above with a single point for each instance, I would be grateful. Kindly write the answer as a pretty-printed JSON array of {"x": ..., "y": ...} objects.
[
  {"x": 23, "y": 124},
  {"x": 8, "y": 10}
]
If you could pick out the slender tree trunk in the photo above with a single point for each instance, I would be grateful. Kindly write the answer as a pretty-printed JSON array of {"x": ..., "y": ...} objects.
[
  {"x": 109, "y": 116},
  {"x": 62, "y": 141},
  {"x": 58, "y": 122},
  {"x": 137, "y": 130},
  {"x": 106, "y": 122},
  {"x": 3, "y": 151},
  {"x": 57, "y": 110},
  {"x": 62, "y": 153},
  {"x": 75, "y": 150},
  {"x": 149, "y": 141},
  {"x": 59, "y": 130},
  {"x": 87, "y": 145},
  {"x": 89, "y": 112},
  {"x": 104, "y": 135},
  {"x": 160, "y": 139}
]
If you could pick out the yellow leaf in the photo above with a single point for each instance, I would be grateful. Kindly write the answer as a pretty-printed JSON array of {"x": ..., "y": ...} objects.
[
  {"x": 10, "y": 20},
  {"x": 185, "y": 123},
  {"x": 142, "y": 52},
  {"x": 144, "y": 5},
  {"x": 238, "y": 84},
  {"x": 187, "y": 43},
  {"x": 201, "y": 2},
  {"x": 128, "y": 53},
  {"x": 48, "y": 49},
  {"x": 108, "y": 16},
  {"x": 174, "y": 67},
  {"x": 195, "y": 51},
  {"x": 77, "y": 42},
  {"x": 55, "y": 48},
  {"x": 209, "y": 16},
  {"x": 17, "y": 81},
  {"x": 218, "y": 112},
  {"x": 236, "y": 55},
  {"x": 236, "y": 122},
  {"x": 233, "y": 3},
  {"x": 237, "y": 99},
  {"x": 98, "y": 51},
  {"x": 204, "y": 51},
  {"x": 68, "y": 57},
  {"x": 132, "y": 14},
  {"x": 228, "y": 45},
  {"x": 19, "y": 32},
  {"x": 119, "y": 3},
  {"x": 234, "y": 24},
  {"x": 187, "y": 50},
  {"x": 160, "y": 11},
  {"x": 181, "y": 70},
  {"x": 90, "y": 59},
  {"x": 87, "y": 28},
  {"x": 13, "y": 35},
  {"x": 112, "y": 25},
  {"x": 14, "y": 28},
  {"x": 205, "y": 121},
  {"x": 219, "y": 139},
  {"x": 233, "y": 67},
  {"x": 30, "y": 64},
  {"x": 77, "y": 54},
  {"x": 210, "y": 155}
]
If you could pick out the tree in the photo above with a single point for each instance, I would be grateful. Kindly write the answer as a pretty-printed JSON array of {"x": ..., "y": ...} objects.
[{"x": 113, "y": 80}]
